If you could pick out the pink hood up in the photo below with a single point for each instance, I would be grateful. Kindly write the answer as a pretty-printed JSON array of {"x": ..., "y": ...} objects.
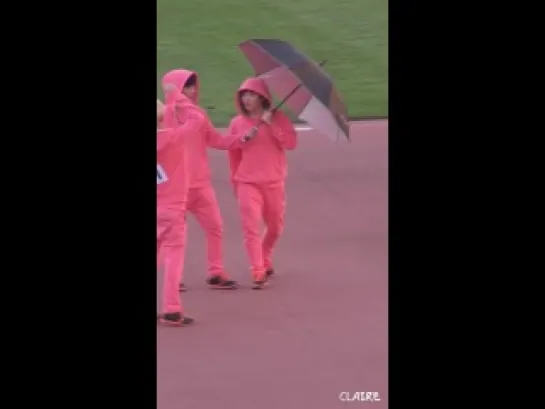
[
  {"x": 256, "y": 85},
  {"x": 176, "y": 103},
  {"x": 178, "y": 78}
]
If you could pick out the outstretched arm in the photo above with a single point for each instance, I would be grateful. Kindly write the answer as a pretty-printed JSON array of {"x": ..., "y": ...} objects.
[{"x": 216, "y": 140}]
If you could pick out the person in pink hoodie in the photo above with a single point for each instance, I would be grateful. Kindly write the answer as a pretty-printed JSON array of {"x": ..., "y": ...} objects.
[
  {"x": 258, "y": 173},
  {"x": 172, "y": 187},
  {"x": 201, "y": 200}
]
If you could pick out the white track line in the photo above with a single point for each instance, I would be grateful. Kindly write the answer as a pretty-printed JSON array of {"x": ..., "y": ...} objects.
[{"x": 303, "y": 128}]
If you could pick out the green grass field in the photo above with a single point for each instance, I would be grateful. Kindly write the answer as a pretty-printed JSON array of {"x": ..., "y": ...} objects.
[{"x": 352, "y": 35}]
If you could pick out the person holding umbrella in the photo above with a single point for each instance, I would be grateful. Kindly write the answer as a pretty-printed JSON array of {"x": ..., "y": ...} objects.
[{"x": 258, "y": 172}]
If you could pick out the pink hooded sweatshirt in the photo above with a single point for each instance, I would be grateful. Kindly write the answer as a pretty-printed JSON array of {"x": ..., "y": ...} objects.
[
  {"x": 262, "y": 160},
  {"x": 205, "y": 136},
  {"x": 258, "y": 172},
  {"x": 172, "y": 193},
  {"x": 172, "y": 183}
]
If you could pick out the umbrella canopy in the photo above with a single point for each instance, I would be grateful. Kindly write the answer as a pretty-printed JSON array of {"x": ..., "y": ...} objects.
[{"x": 307, "y": 89}]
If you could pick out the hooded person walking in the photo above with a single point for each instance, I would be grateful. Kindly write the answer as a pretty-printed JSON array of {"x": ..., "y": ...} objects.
[
  {"x": 172, "y": 186},
  {"x": 258, "y": 173},
  {"x": 201, "y": 199}
]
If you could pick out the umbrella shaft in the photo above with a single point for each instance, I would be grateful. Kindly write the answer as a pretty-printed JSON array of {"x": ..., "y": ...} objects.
[
  {"x": 288, "y": 96},
  {"x": 322, "y": 63}
]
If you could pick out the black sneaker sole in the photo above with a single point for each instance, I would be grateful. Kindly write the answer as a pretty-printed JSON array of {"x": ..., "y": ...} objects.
[
  {"x": 181, "y": 322},
  {"x": 217, "y": 283}
]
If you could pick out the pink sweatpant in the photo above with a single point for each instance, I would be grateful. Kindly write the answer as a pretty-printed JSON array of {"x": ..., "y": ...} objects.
[
  {"x": 202, "y": 203},
  {"x": 171, "y": 228},
  {"x": 261, "y": 204}
]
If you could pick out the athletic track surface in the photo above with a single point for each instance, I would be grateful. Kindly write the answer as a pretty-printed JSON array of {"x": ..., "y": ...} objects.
[{"x": 321, "y": 327}]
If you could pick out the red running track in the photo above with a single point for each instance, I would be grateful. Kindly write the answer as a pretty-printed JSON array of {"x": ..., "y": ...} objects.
[{"x": 321, "y": 328}]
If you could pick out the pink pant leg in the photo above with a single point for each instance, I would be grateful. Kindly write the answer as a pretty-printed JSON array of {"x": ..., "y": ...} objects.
[
  {"x": 171, "y": 229},
  {"x": 250, "y": 203},
  {"x": 204, "y": 205},
  {"x": 274, "y": 199}
]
